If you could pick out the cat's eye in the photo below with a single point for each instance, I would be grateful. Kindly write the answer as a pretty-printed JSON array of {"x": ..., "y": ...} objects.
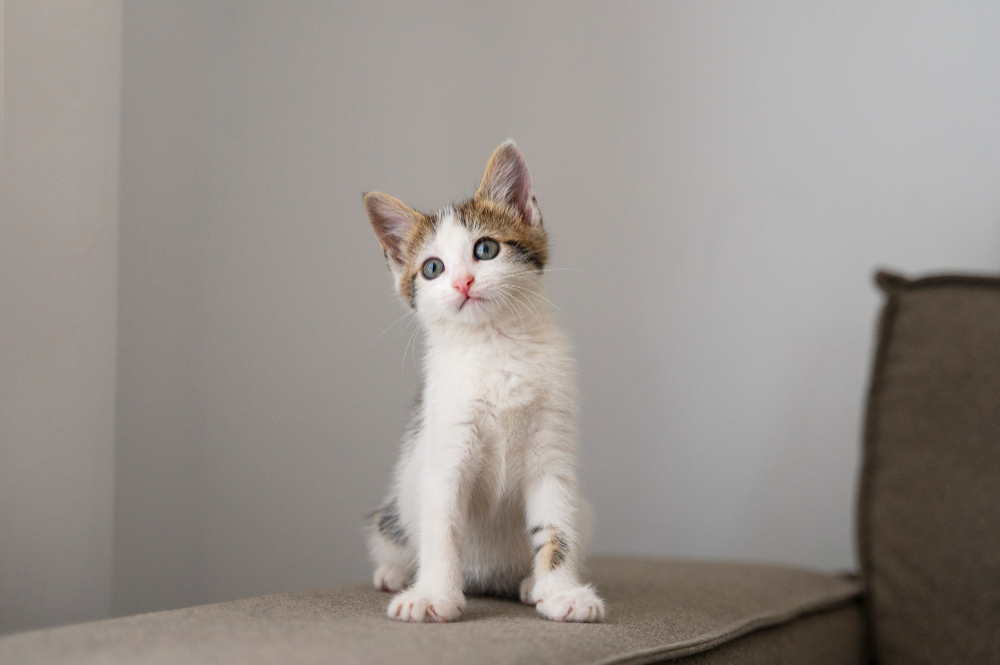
[
  {"x": 486, "y": 249},
  {"x": 432, "y": 268}
]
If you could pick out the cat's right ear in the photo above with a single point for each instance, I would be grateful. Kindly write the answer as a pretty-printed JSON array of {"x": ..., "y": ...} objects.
[{"x": 392, "y": 220}]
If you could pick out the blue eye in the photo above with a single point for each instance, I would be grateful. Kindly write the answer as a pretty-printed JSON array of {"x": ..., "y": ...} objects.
[
  {"x": 486, "y": 249},
  {"x": 432, "y": 268}
]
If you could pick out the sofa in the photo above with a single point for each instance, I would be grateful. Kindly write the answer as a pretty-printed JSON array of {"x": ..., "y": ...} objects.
[{"x": 928, "y": 523}]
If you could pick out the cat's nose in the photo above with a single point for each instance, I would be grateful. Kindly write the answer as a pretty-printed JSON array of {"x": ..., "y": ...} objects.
[{"x": 462, "y": 284}]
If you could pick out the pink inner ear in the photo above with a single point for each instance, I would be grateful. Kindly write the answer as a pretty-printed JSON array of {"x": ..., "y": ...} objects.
[
  {"x": 525, "y": 196},
  {"x": 507, "y": 180},
  {"x": 392, "y": 220}
]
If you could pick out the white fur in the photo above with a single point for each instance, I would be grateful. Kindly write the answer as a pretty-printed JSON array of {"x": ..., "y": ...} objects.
[{"x": 495, "y": 451}]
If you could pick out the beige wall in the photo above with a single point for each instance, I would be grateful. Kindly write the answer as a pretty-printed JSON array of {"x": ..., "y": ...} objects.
[
  {"x": 719, "y": 178},
  {"x": 58, "y": 303}
]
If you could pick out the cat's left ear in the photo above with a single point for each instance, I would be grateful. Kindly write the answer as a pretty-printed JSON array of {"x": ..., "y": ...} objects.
[{"x": 507, "y": 181}]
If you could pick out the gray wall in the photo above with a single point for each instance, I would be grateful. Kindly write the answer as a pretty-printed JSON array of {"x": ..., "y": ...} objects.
[
  {"x": 157, "y": 515},
  {"x": 719, "y": 180},
  {"x": 58, "y": 303}
]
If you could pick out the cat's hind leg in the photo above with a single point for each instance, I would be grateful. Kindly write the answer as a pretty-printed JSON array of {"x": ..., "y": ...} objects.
[
  {"x": 527, "y": 584},
  {"x": 388, "y": 547}
]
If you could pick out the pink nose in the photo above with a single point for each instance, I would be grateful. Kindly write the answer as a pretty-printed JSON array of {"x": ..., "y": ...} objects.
[{"x": 463, "y": 283}]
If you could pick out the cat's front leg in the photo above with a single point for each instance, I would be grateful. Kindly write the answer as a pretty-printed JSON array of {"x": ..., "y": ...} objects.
[
  {"x": 436, "y": 595},
  {"x": 554, "y": 587}
]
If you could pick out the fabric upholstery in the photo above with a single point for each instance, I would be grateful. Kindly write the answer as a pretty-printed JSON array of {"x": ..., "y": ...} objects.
[
  {"x": 657, "y": 609},
  {"x": 929, "y": 506},
  {"x": 825, "y": 638}
]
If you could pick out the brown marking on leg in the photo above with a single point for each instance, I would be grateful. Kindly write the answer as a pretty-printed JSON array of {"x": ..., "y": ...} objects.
[
  {"x": 560, "y": 548},
  {"x": 553, "y": 552}
]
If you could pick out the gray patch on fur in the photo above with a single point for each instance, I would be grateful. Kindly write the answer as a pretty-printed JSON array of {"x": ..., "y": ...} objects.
[
  {"x": 388, "y": 523},
  {"x": 386, "y": 518}
]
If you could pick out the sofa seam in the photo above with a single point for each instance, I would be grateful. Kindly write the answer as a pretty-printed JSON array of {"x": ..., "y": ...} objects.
[{"x": 703, "y": 644}]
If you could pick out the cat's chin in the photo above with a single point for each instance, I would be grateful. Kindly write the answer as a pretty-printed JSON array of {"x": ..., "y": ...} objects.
[
  {"x": 478, "y": 313},
  {"x": 473, "y": 317}
]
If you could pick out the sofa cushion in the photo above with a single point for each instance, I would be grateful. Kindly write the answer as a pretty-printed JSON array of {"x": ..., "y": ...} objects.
[
  {"x": 657, "y": 610},
  {"x": 929, "y": 505},
  {"x": 821, "y": 638}
]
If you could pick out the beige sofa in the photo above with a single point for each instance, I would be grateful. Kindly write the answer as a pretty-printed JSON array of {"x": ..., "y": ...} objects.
[{"x": 929, "y": 544}]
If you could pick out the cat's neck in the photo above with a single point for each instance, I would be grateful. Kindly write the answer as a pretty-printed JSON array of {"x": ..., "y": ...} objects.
[{"x": 528, "y": 325}]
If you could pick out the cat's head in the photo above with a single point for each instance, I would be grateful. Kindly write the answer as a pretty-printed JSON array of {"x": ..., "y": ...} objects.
[{"x": 476, "y": 262}]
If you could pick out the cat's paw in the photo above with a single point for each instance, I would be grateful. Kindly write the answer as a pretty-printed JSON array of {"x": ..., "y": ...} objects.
[
  {"x": 391, "y": 578},
  {"x": 416, "y": 606},
  {"x": 579, "y": 603},
  {"x": 525, "y": 592}
]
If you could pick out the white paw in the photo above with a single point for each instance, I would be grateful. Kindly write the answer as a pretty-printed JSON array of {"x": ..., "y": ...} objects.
[
  {"x": 416, "y": 605},
  {"x": 525, "y": 591},
  {"x": 580, "y": 603},
  {"x": 391, "y": 578}
]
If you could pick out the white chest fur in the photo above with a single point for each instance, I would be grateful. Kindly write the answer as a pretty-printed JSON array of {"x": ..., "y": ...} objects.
[
  {"x": 499, "y": 389},
  {"x": 495, "y": 381}
]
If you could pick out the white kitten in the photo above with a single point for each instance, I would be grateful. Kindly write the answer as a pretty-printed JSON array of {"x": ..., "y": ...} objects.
[{"x": 485, "y": 498}]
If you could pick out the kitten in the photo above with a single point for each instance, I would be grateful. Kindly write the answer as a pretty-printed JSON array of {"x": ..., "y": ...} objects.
[{"x": 485, "y": 497}]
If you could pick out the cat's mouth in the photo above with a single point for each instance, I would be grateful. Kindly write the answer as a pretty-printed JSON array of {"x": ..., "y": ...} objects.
[{"x": 468, "y": 299}]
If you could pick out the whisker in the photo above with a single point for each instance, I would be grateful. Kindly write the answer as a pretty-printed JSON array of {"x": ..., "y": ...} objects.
[
  {"x": 506, "y": 301},
  {"x": 546, "y": 270},
  {"x": 538, "y": 316},
  {"x": 390, "y": 182},
  {"x": 512, "y": 306},
  {"x": 517, "y": 310},
  {"x": 408, "y": 324},
  {"x": 534, "y": 309},
  {"x": 390, "y": 326},
  {"x": 535, "y": 293},
  {"x": 413, "y": 356},
  {"x": 407, "y": 348}
]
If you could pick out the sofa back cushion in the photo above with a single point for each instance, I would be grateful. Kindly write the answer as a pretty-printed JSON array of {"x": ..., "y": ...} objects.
[{"x": 929, "y": 502}]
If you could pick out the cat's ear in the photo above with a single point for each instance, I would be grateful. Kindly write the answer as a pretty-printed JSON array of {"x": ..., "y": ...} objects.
[
  {"x": 507, "y": 181},
  {"x": 392, "y": 220}
]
